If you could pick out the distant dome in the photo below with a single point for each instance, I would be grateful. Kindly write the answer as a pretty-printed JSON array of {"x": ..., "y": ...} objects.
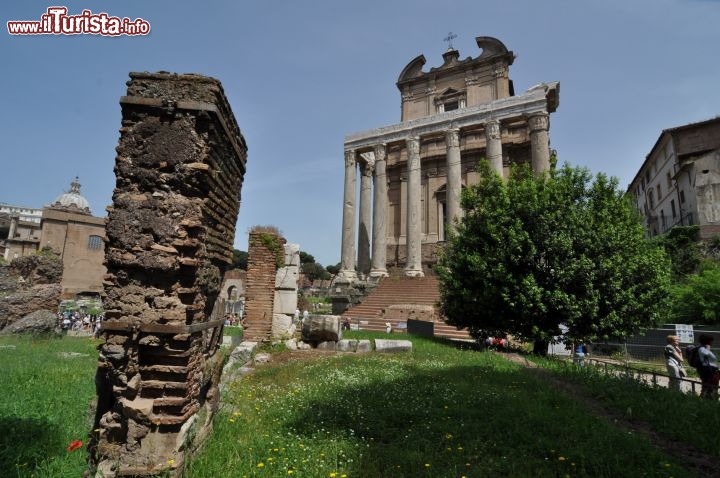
[{"x": 72, "y": 199}]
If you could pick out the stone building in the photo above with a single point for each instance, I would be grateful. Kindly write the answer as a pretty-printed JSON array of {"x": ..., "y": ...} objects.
[
  {"x": 678, "y": 184},
  {"x": 412, "y": 172},
  {"x": 68, "y": 227}
]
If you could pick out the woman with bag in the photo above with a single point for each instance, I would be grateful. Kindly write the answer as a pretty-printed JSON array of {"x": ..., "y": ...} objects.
[{"x": 674, "y": 362}]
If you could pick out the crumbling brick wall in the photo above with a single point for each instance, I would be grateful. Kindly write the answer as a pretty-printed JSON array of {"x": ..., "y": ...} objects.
[
  {"x": 265, "y": 255},
  {"x": 180, "y": 165}
]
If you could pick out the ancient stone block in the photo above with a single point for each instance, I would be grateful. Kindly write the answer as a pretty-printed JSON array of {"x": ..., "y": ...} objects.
[
  {"x": 382, "y": 345},
  {"x": 320, "y": 328},
  {"x": 347, "y": 345}
]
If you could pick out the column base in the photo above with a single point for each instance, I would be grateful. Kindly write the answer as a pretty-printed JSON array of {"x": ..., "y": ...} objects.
[
  {"x": 346, "y": 276},
  {"x": 375, "y": 273},
  {"x": 413, "y": 273}
]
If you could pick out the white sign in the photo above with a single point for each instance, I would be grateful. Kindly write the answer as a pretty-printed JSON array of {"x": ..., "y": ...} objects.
[{"x": 685, "y": 333}]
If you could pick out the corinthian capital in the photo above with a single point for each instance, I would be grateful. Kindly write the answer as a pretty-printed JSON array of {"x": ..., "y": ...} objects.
[
  {"x": 413, "y": 145},
  {"x": 380, "y": 152},
  {"x": 350, "y": 158},
  {"x": 539, "y": 122},
  {"x": 367, "y": 169},
  {"x": 492, "y": 130},
  {"x": 452, "y": 136}
]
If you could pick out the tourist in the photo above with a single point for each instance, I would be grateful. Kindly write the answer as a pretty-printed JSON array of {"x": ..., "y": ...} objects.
[
  {"x": 296, "y": 316},
  {"x": 306, "y": 315},
  {"x": 709, "y": 374},
  {"x": 346, "y": 324},
  {"x": 581, "y": 352},
  {"x": 674, "y": 362}
]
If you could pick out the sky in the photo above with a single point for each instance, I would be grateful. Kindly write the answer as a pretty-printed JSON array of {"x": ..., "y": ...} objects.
[{"x": 301, "y": 75}]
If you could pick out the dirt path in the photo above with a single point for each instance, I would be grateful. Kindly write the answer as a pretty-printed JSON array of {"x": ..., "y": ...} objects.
[{"x": 693, "y": 459}]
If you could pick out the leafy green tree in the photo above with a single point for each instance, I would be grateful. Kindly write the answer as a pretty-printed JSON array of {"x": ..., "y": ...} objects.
[
  {"x": 306, "y": 258},
  {"x": 696, "y": 300},
  {"x": 537, "y": 252},
  {"x": 314, "y": 271},
  {"x": 682, "y": 244},
  {"x": 333, "y": 270},
  {"x": 240, "y": 260}
]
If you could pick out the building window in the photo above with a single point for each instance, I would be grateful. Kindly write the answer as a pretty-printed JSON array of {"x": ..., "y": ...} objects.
[
  {"x": 651, "y": 200},
  {"x": 95, "y": 242},
  {"x": 662, "y": 219},
  {"x": 672, "y": 206},
  {"x": 682, "y": 197},
  {"x": 659, "y": 191},
  {"x": 669, "y": 180}
]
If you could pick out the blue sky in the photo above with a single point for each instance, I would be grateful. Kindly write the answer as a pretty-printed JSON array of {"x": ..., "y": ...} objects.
[{"x": 302, "y": 75}]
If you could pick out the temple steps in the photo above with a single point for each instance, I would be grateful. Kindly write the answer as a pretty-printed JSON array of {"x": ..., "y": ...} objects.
[{"x": 394, "y": 290}]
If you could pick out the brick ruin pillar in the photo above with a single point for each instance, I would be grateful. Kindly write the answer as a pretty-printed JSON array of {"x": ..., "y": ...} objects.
[
  {"x": 180, "y": 165},
  {"x": 266, "y": 252}
]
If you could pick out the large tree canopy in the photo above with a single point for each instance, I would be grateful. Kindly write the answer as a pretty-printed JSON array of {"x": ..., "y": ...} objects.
[{"x": 539, "y": 252}]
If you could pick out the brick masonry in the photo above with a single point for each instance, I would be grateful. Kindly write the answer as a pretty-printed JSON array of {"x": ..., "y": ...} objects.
[{"x": 180, "y": 165}]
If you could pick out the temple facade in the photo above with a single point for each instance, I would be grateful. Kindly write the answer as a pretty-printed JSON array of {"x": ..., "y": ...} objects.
[{"x": 411, "y": 173}]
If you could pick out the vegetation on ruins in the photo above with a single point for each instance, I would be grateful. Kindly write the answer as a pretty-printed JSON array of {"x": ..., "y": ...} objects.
[
  {"x": 270, "y": 236},
  {"x": 535, "y": 253},
  {"x": 435, "y": 412}
]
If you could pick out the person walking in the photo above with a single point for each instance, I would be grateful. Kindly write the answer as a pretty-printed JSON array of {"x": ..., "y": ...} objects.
[
  {"x": 709, "y": 374},
  {"x": 674, "y": 362}
]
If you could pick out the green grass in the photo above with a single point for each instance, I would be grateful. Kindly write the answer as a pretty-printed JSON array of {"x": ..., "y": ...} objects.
[
  {"x": 436, "y": 412},
  {"x": 45, "y": 403},
  {"x": 439, "y": 411}
]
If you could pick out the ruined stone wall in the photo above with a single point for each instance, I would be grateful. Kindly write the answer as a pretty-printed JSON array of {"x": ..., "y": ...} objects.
[
  {"x": 265, "y": 254},
  {"x": 180, "y": 165}
]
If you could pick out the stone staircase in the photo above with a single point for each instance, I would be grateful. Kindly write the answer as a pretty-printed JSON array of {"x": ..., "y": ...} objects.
[{"x": 368, "y": 315}]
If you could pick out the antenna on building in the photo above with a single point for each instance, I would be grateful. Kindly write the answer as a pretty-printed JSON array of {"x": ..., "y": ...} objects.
[{"x": 451, "y": 36}]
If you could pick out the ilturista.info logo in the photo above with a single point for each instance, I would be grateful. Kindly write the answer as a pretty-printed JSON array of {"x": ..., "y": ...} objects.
[{"x": 56, "y": 21}]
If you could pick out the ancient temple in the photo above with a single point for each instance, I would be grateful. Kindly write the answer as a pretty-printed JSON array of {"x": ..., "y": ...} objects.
[{"x": 412, "y": 172}]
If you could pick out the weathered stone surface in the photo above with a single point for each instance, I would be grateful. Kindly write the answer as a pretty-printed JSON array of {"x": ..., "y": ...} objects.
[
  {"x": 347, "y": 345},
  {"x": 405, "y": 312},
  {"x": 20, "y": 303},
  {"x": 329, "y": 345},
  {"x": 244, "y": 351},
  {"x": 282, "y": 327},
  {"x": 285, "y": 301},
  {"x": 291, "y": 344},
  {"x": 321, "y": 328},
  {"x": 363, "y": 346},
  {"x": 38, "y": 322},
  {"x": 262, "y": 358},
  {"x": 382, "y": 345}
]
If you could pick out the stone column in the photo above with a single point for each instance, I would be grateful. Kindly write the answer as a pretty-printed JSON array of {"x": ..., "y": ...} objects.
[
  {"x": 454, "y": 179},
  {"x": 413, "y": 261},
  {"x": 493, "y": 149},
  {"x": 366, "y": 172},
  {"x": 539, "y": 143},
  {"x": 347, "y": 253},
  {"x": 380, "y": 204}
]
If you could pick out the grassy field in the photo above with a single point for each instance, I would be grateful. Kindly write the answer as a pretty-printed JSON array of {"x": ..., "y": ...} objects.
[
  {"x": 46, "y": 392},
  {"x": 438, "y": 411}
]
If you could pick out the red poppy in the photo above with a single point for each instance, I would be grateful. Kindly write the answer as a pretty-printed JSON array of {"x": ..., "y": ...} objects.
[{"x": 74, "y": 445}]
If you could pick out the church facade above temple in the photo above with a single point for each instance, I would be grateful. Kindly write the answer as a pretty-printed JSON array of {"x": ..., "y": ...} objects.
[{"x": 411, "y": 173}]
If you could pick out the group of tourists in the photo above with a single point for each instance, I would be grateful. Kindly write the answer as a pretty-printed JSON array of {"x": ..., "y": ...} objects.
[
  {"x": 700, "y": 357},
  {"x": 78, "y": 321}
]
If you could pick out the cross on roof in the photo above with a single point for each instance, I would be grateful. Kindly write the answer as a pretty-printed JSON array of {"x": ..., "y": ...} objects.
[{"x": 449, "y": 39}]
